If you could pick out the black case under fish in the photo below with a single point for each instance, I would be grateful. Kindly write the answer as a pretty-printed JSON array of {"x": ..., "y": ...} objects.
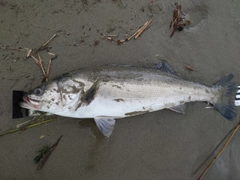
[{"x": 17, "y": 111}]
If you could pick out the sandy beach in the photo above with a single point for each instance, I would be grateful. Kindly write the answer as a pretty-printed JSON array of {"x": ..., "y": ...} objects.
[{"x": 160, "y": 145}]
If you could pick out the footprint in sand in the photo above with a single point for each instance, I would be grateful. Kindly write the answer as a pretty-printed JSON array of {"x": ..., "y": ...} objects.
[{"x": 197, "y": 16}]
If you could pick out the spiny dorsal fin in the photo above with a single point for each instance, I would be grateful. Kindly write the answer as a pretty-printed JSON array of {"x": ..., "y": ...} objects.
[{"x": 164, "y": 67}]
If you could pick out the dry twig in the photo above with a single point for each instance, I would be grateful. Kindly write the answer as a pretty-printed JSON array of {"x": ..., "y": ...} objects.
[
  {"x": 143, "y": 28},
  {"x": 134, "y": 34},
  {"x": 44, "y": 45},
  {"x": 31, "y": 121},
  {"x": 39, "y": 61},
  {"x": 36, "y": 60},
  {"x": 27, "y": 127},
  {"x": 42, "y": 67},
  {"x": 28, "y": 51},
  {"x": 40, "y": 64},
  {"x": 137, "y": 33},
  {"x": 49, "y": 66},
  {"x": 110, "y": 37},
  {"x": 179, "y": 21},
  {"x": 12, "y": 48},
  {"x": 189, "y": 67},
  {"x": 220, "y": 152},
  {"x": 48, "y": 153}
]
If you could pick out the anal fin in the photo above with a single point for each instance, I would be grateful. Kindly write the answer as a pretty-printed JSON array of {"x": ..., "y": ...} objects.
[{"x": 179, "y": 109}]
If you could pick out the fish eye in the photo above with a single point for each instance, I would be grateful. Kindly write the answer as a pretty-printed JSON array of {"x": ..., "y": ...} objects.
[{"x": 38, "y": 91}]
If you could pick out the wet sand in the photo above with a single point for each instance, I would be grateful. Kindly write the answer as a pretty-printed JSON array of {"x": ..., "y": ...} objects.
[{"x": 159, "y": 145}]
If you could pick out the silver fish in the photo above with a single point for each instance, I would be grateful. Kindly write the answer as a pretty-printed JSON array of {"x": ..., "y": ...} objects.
[{"x": 106, "y": 93}]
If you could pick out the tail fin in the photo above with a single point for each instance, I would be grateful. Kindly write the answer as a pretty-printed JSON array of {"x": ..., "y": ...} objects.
[{"x": 225, "y": 104}]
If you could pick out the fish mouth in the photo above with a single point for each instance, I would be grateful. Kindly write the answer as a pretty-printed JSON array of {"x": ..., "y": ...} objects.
[{"x": 30, "y": 103}]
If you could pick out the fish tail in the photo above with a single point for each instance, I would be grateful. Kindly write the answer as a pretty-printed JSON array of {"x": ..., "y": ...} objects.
[{"x": 226, "y": 102}]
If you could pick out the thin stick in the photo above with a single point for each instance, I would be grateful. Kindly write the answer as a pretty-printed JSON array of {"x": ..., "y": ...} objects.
[
  {"x": 49, "y": 66},
  {"x": 174, "y": 21},
  {"x": 12, "y": 48},
  {"x": 27, "y": 127},
  {"x": 50, "y": 53},
  {"x": 23, "y": 124},
  {"x": 28, "y": 51},
  {"x": 110, "y": 35},
  {"x": 143, "y": 29},
  {"x": 189, "y": 67},
  {"x": 138, "y": 32},
  {"x": 42, "y": 66},
  {"x": 26, "y": 123},
  {"x": 220, "y": 151},
  {"x": 36, "y": 60},
  {"x": 48, "y": 153},
  {"x": 46, "y": 43},
  {"x": 134, "y": 34}
]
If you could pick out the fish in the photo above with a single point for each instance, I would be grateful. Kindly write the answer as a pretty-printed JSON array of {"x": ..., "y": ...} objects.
[{"x": 109, "y": 92}]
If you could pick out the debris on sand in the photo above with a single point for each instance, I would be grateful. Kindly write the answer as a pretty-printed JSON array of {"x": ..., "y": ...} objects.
[
  {"x": 39, "y": 61},
  {"x": 220, "y": 151},
  {"x": 27, "y": 125},
  {"x": 179, "y": 21},
  {"x": 34, "y": 53},
  {"x": 189, "y": 67},
  {"x": 137, "y": 33},
  {"x": 45, "y": 153}
]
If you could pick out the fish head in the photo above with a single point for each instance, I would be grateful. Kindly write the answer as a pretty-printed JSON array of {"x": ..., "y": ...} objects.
[{"x": 45, "y": 97}]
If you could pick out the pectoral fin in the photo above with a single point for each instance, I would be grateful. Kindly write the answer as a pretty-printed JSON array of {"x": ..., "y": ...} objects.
[
  {"x": 179, "y": 109},
  {"x": 89, "y": 95},
  {"x": 105, "y": 125},
  {"x": 85, "y": 98}
]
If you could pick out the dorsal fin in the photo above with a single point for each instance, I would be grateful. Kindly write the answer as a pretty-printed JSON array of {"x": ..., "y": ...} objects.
[{"x": 164, "y": 67}]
